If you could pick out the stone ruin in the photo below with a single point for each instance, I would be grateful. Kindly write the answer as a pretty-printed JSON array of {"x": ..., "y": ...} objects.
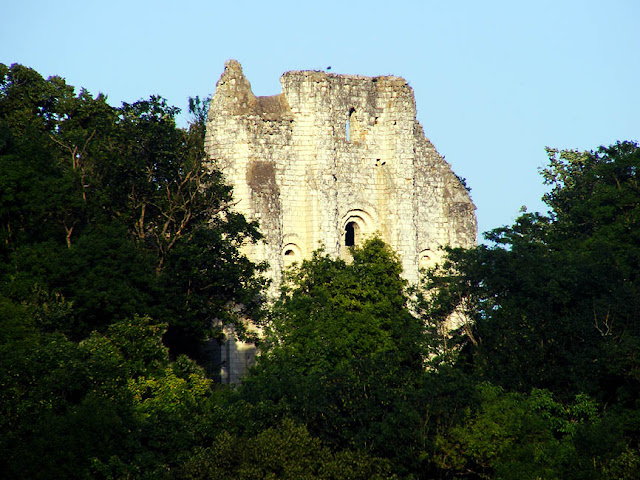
[{"x": 329, "y": 161}]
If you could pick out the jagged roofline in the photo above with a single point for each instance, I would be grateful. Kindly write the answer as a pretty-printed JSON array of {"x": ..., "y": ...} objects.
[
  {"x": 276, "y": 107},
  {"x": 234, "y": 88},
  {"x": 233, "y": 69}
]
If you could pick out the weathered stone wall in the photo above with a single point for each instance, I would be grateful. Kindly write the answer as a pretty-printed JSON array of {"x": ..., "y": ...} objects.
[
  {"x": 334, "y": 153},
  {"x": 330, "y": 160}
]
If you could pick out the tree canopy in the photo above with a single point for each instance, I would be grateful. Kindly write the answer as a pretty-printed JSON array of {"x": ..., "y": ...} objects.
[
  {"x": 114, "y": 212},
  {"x": 554, "y": 305},
  {"x": 120, "y": 253},
  {"x": 344, "y": 355}
]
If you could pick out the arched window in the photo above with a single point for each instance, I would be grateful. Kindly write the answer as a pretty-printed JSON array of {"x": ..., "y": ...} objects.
[
  {"x": 350, "y": 234},
  {"x": 355, "y": 226}
]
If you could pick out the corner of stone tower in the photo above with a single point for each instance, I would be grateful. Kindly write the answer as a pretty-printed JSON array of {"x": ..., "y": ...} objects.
[{"x": 234, "y": 89}]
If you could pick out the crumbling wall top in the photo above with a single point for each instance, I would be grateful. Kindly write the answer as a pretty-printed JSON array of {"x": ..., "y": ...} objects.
[
  {"x": 234, "y": 89},
  {"x": 320, "y": 75}
]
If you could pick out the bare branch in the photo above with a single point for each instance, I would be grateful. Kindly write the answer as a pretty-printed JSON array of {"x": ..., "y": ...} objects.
[{"x": 606, "y": 328}]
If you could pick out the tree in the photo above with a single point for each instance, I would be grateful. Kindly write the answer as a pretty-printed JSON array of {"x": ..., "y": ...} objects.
[
  {"x": 112, "y": 405},
  {"x": 522, "y": 436},
  {"x": 116, "y": 210},
  {"x": 49, "y": 136},
  {"x": 553, "y": 306},
  {"x": 554, "y": 303},
  {"x": 345, "y": 356},
  {"x": 285, "y": 452}
]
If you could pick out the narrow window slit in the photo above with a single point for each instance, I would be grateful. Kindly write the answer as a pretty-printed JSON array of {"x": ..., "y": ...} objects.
[{"x": 349, "y": 125}]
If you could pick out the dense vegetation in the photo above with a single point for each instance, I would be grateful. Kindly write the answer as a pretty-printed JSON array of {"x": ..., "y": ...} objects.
[{"x": 119, "y": 247}]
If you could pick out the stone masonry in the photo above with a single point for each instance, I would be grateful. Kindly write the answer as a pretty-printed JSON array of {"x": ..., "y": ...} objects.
[{"x": 331, "y": 160}]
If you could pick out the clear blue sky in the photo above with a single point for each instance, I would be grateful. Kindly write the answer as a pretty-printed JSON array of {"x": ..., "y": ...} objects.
[{"x": 495, "y": 81}]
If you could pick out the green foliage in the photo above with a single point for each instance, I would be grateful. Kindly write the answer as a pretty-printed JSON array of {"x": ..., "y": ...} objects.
[
  {"x": 352, "y": 310},
  {"x": 118, "y": 247},
  {"x": 115, "y": 210},
  {"x": 110, "y": 401},
  {"x": 109, "y": 215},
  {"x": 285, "y": 452},
  {"x": 517, "y": 436},
  {"x": 555, "y": 302},
  {"x": 550, "y": 309},
  {"x": 344, "y": 355}
]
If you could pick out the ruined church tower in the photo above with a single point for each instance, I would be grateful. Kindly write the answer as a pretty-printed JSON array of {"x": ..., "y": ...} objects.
[{"x": 330, "y": 160}]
